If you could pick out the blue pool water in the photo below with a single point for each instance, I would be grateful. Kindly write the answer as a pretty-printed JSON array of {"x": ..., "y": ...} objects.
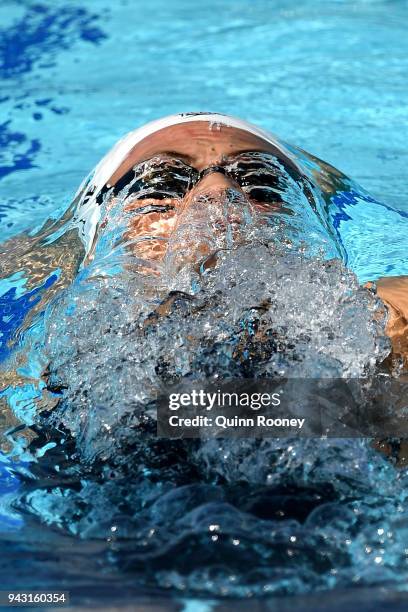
[{"x": 326, "y": 76}]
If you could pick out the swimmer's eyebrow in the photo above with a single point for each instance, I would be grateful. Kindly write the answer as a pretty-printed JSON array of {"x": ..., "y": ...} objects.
[
  {"x": 235, "y": 154},
  {"x": 176, "y": 155},
  {"x": 190, "y": 160}
]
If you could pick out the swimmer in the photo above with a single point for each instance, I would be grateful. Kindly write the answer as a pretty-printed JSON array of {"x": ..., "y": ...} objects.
[{"x": 167, "y": 166}]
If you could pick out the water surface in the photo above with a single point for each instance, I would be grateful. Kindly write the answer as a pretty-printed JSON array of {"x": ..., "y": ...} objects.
[{"x": 169, "y": 518}]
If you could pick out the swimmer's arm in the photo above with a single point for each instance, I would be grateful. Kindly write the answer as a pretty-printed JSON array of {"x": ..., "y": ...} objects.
[
  {"x": 37, "y": 260},
  {"x": 42, "y": 255},
  {"x": 11, "y": 250},
  {"x": 39, "y": 255},
  {"x": 393, "y": 291}
]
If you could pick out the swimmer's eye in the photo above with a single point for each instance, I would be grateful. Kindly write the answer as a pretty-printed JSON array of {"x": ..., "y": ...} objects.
[
  {"x": 158, "y": 179},
  {"x": 264, "y": 195},
  {"x": 259, "y": 176}
]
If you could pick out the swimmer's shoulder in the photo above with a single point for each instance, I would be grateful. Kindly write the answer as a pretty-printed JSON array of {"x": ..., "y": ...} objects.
[
  {"x": 327, "y": 177},
  {"x": 393, "y": 291}
]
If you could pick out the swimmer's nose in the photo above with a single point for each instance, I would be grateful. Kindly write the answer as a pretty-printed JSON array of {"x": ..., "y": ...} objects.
[
  {"x": 212, "y": 186},
  {"x": 213, "y": 183}
]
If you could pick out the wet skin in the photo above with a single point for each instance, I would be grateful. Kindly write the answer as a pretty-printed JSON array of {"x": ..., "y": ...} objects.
[
  {"x": 198, "y": 146},
  {"x": 201, "y": 147}
]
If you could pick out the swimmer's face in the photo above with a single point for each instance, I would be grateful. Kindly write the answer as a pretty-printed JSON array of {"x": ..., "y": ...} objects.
[{"x": 171, "y": 170}]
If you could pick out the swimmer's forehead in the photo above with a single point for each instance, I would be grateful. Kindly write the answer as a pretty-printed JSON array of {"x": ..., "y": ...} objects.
[{"x": 199, "y": 143}]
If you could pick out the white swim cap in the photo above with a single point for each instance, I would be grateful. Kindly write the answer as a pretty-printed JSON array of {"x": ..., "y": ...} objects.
[{"x": 87, "y": 214}]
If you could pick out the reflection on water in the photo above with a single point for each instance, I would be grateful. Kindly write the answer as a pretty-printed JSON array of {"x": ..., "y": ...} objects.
[{"x": 235, "y": 290}]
